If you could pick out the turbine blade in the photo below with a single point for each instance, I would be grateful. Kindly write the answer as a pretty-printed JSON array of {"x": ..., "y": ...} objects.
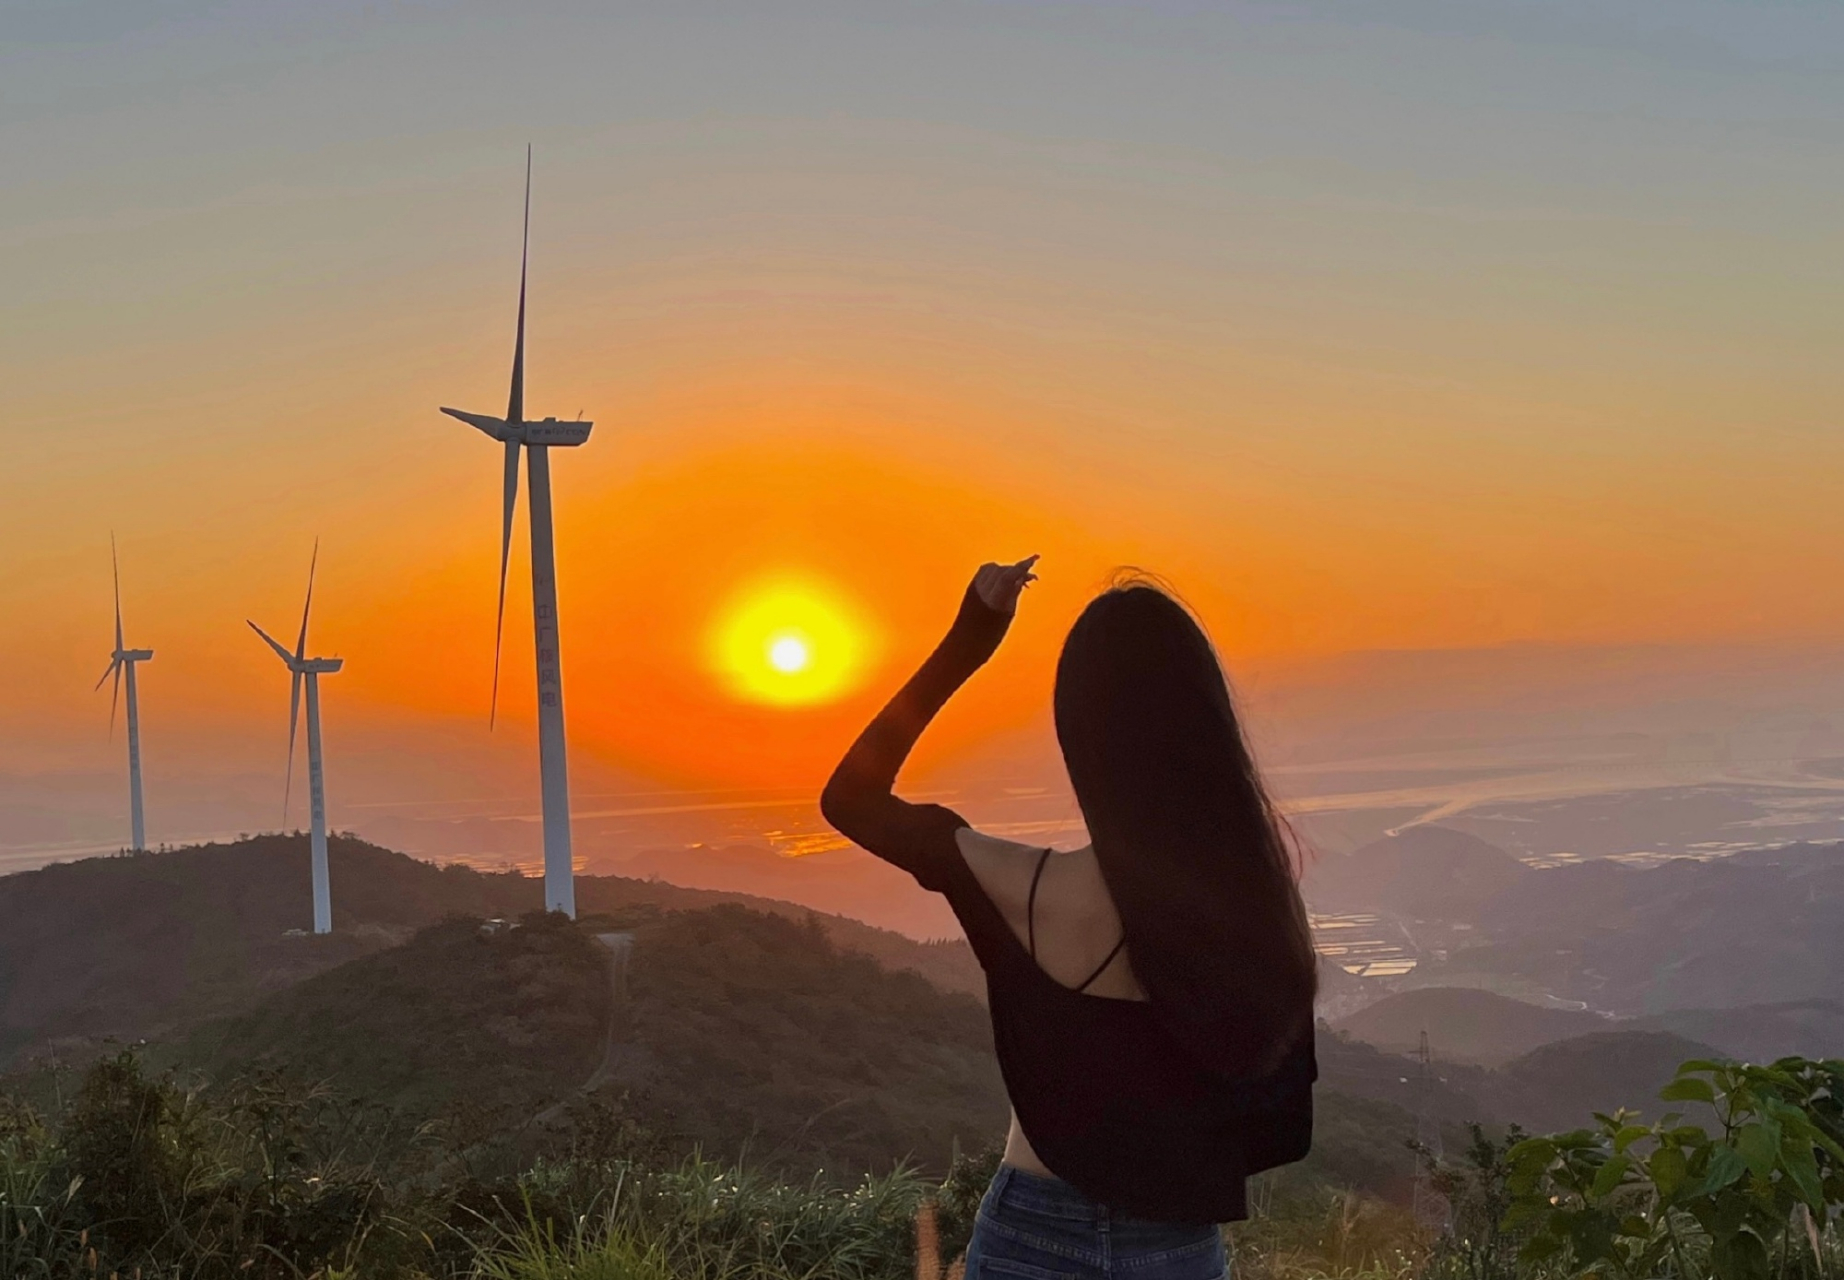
[
  {"x": 515, "y": 410},
  {"x": 294, "y": 714},
  {"x": 505, "y": 555},
  {"x": 274, "y": 644},
  {"x": 116, "y": 565},
  {"x": 106, "y": 673},
  {"x": 114, "y": 694},
  {"x": 495, "y": 427},
  {"x": 301, "y": 643}
]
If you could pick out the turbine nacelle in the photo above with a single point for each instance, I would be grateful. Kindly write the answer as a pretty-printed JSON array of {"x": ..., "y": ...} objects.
[
  {"x": 551, "y": 432},
  {"x": 133, "y": 655},
  {"x": 298, "y": 663}
]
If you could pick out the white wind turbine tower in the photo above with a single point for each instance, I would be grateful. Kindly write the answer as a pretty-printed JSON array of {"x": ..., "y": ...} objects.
[
  {"x": 124, "y": 659},
  {"x": 539, "y": 438},
  {"x": 308, "y": 670}
]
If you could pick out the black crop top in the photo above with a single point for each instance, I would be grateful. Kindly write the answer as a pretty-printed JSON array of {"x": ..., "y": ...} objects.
[{"x": 1110, "y": 1100}]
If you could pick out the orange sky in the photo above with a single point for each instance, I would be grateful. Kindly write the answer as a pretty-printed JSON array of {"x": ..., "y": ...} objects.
[{"x": 1338, "y": 368}]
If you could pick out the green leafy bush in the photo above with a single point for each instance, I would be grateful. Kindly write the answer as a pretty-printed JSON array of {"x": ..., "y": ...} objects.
[{"x": 1748, "y": 1200}]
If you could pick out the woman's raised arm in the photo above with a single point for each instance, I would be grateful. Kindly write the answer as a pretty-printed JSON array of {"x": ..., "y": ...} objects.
[{"x": 859, "y": 799}]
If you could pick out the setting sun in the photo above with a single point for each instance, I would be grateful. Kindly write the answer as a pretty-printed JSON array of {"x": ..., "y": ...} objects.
[
  {"x": 790, "y": 641},
  {"x": 789, "y": 654}
]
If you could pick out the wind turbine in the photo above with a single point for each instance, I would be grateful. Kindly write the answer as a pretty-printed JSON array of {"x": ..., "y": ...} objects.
[
  {"x": 308, "y": 670},
  {"x": 538, "y": 438},
  {"x": 124, "y": 659}
]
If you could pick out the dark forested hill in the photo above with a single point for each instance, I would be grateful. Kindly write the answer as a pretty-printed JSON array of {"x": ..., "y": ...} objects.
[
  {"x": 1465, "y": 1024},
  {"x": 1561, "y": 1085},
  {"x": 1469, "y": 1025},
  {"x": 1555, "y": 1086},
  {"x": 141, "y": 945},
  {"x": 728, "y": 1029},
  {"x": 752, "y": 1027},
  {"x": 1760, "y": 1032},
  {"x": 510, "y": 1021}
]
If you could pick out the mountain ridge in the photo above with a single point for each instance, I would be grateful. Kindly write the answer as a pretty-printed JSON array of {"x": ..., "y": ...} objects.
[{"x": 137, "y": 945}]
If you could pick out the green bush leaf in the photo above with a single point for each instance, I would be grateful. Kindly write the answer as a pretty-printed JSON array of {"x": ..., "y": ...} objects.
[
  {"x": 1669, "y": 1171},
  {"x": 1628, "y": 1135},
  {"x": 1688, "y": 1089},
  {"x": 1527, "y": 1212},
  {"x": 1539, "y": 1151},
  {"x": 1540, "y": 1248},
  {"x": 1801, "y": 1168},
  {"x": 1726, "y": 1165},
  {"x": 1741, "y": 1256},
  {"x": 1610, "y": 1175},
  {"x": 1758, "y": 1144}
]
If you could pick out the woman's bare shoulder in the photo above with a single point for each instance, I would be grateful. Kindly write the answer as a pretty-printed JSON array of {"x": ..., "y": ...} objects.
[
  {"x": 1003, "y": 867},
  {"x": 979, "y": 844}
]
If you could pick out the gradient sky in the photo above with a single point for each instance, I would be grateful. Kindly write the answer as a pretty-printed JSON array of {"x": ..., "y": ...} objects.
[{"x": 1395, "y": 325}]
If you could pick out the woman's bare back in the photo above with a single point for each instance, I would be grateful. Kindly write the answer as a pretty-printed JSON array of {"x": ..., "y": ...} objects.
[{"x": 1076, "y": 927}]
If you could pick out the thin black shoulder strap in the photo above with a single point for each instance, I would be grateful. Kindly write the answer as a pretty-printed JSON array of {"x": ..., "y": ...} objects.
[
  {"x": 1104, "y": 965},
  {"x": 1030, "y": 908}
]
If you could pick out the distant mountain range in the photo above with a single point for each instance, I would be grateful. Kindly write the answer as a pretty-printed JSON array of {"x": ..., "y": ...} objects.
[
  {"x": 1761, "y": 927},
  {"x": 1427, "y": 872},
  {"x": 1469, "y": 1025},
  {"x": 1466, "y": 1024}
]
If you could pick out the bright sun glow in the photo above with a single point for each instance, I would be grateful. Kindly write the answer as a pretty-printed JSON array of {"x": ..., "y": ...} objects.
[
  {"x": 788, "y": 654},
  {"x": 790, "y": 641}
]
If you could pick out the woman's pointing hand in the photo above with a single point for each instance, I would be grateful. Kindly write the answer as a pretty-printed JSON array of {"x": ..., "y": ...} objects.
[{"x": 999, "y": 585}]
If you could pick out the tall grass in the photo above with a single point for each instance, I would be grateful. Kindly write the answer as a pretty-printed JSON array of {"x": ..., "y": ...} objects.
[
  {"x": 138, "y": 1177},
  {"x": 42, "y": 1232},
  {"x": 1330, "y": 1235},
  {"x": 714, "y": 1221}
]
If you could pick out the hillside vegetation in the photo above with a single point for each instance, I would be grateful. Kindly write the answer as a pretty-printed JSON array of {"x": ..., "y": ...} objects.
[
  {"x": 141, "y": 945},
  {"x": 753, "y": 1031},
  {"x": 732, "y": 1031},
  {"x": 506, "y": 1024}
]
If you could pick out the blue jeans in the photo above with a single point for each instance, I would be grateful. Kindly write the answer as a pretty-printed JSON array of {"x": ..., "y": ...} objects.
[{"x": 1037, "y": 1228}]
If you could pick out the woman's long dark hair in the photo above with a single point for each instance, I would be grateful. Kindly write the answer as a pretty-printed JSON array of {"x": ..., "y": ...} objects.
[{"x": 1197, "y": 861}]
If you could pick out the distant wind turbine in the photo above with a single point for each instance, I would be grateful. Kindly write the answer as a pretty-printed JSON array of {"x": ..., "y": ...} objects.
[
  {"x": 538, "y": 438},
  {"x": 124, "y": 659},
  {"x": 303, "y": 668}
]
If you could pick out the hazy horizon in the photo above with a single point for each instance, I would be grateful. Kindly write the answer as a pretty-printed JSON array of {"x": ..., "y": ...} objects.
[{"x": 1555, "y": 753}]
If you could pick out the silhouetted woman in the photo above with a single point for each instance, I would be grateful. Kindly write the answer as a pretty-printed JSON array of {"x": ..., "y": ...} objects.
[{"x": 1151, "y": 993}]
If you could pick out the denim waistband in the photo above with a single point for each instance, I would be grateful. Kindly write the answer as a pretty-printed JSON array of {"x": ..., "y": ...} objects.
[
  {"x": 1045, "y": 1196},
  {"x": 1031, "y": 1219}
]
